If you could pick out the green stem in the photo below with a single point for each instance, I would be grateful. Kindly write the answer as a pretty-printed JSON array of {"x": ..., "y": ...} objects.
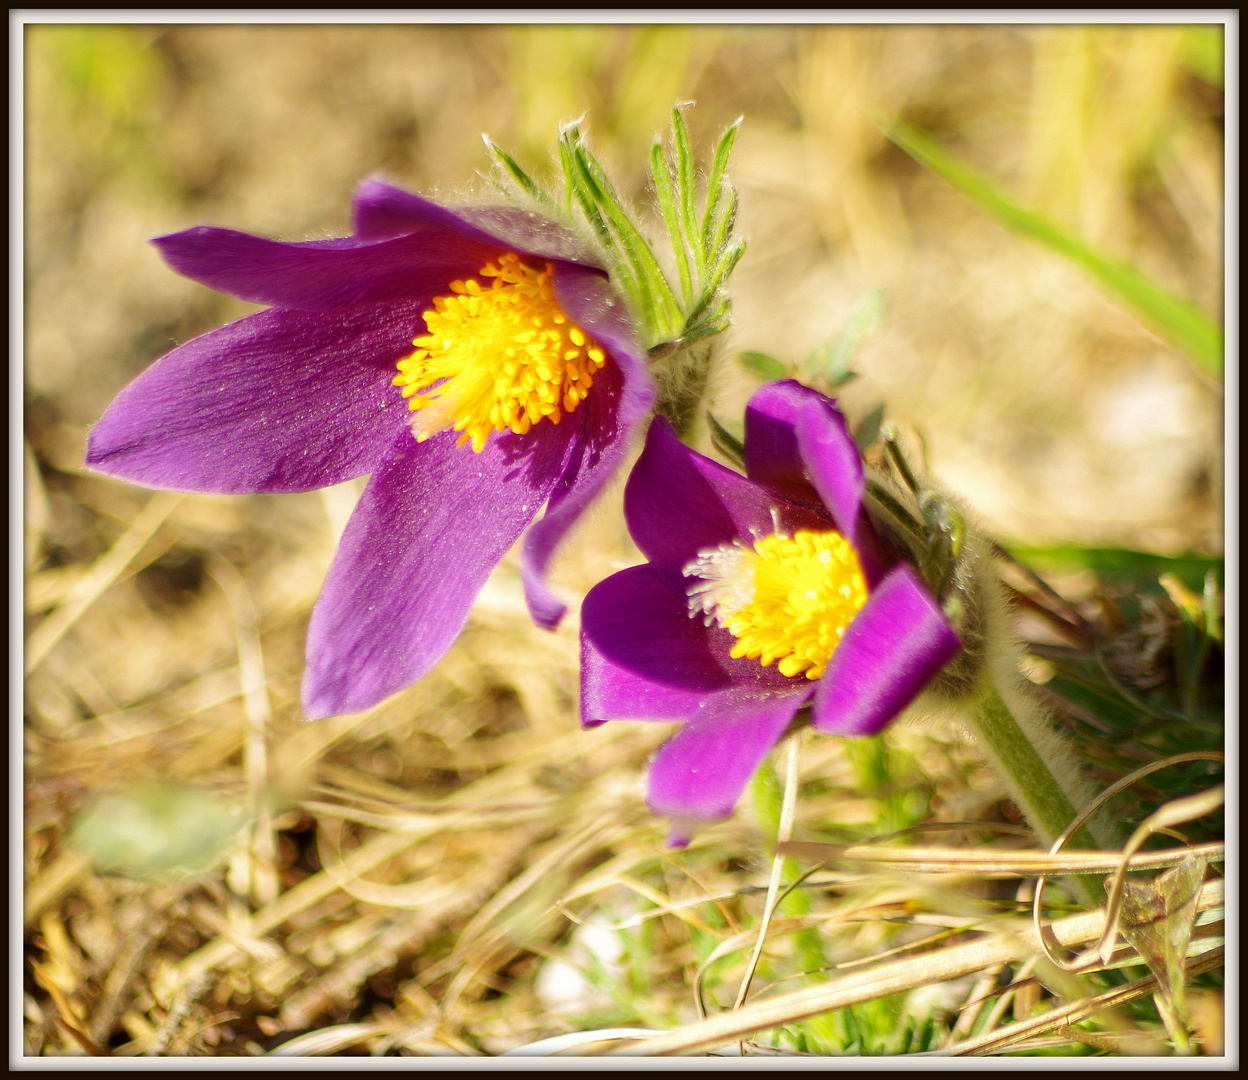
[{"x": 1031, "y": 778}]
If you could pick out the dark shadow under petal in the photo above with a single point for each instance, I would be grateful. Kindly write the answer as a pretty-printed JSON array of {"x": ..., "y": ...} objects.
[
  {"x": 433, "y": 522},
  {"x": 277, "y": 401},
  {"x": 894, "y": 647}
]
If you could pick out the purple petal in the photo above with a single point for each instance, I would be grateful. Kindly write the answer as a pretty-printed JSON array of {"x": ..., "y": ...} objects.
[
  {"x": 277, "y": 401},
  {"x": 699, "y": 775},
  {"x": 796, "y": 438},
  {"x": 679, "y": 503},
  {"x": 620, "y": 400},
  {"x": 833, "y": 462},
  {"x": 381, "y": 211},
  {"x": 321, "y": 275},
  {"x": 644, "y": 658},
  {"x": 431, "y": 525},
  {"x": 531, "y": 233},
  {"x": 772, "y": 456},
  {"x": 894, "y": 647}
]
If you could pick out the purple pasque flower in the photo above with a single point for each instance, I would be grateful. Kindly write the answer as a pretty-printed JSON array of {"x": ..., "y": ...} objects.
[
  {"x": 475, "y": 360},
  {"x": 763, "y": 593}
]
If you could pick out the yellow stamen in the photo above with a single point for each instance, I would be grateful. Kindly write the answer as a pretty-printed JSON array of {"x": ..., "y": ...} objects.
[
  {"x": 786, "y": 599},
  {"x": 497, "y": 357}
]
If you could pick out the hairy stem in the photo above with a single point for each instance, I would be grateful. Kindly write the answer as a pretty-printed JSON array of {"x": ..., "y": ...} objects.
[{"x": 1032, "y": 776}]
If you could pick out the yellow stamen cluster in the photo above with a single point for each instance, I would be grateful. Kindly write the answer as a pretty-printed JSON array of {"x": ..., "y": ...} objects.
[
  {"x": 786, "y": 599},
  {"x": 497, "y": 356}
]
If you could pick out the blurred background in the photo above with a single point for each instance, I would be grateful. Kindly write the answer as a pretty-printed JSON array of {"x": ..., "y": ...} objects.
[{"x": 398, "y": 871}]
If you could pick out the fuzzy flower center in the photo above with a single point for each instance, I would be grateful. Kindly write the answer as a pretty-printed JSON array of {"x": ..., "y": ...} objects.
[
  {"x": 785, "y": 599},
  {"x": 499, "y": 355}
]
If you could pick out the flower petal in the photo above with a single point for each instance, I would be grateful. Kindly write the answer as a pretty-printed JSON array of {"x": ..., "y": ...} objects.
[
  {"x": 699, "y": 775},
  {"x": 381, "y": 211},
  {"x": 679, "y": 503},
  {"x": 431, "y": 525},
  {"x": 277, "y": 401},
  {"x": 644, "y": 658},
  {"x": 796, "y": 439},
  {"x": 833, "y": 462},
  {"x": 894, "y": 647},
  {"x": 321, "y": 275},
  {"x": 620, "y": 400}
]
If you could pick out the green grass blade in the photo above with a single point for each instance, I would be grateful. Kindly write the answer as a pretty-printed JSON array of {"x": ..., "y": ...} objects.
[{"x": 1170, "y": 317}]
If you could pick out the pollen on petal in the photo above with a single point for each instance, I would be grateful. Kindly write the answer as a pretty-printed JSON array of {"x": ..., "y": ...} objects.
[
  {"x": 787, "y": 600},
  {"x": 497, "y": 357}
]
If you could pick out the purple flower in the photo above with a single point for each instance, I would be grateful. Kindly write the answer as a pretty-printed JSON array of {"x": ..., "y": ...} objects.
[
  {"x": 762, "y": 593},
  {"x": 476, "y": 361}
]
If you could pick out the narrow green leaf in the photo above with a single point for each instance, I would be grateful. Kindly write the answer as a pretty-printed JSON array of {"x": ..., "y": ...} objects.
[
  {"x": 709, "y": 324},
  {"x": 1171, "y": 317},
  {"x": 657, "y": 293},
  {"x": 576, "y": 189},
  {"x": 527, "y": 184},
  {"x": 724, "y": 226},
  {"x": 565, "y": 162},
  {"x": 830, "y": 361},
  {"x": 714, "y": 191},
  {"x": 1121, "y": 567},
  {"x": 763, "y": 366},
  {"x": 684, "y": 174},
  {"x": 869, "y": 429},
  {"x": 663, "y": 195},
  {"x": 726, "y": 442},
  {"x": 727, "y": 263}
]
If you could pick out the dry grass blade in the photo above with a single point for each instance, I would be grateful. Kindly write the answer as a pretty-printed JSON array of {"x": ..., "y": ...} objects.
[
  {"x": 98, "y": 578},
  {"x": 1006, "y": 863},
  {"x": 949, "y": 963},
  {"x": 777, "y": 865},
  {"x": 1008, "y": 1038},
  {"x": 331, "y": 1040}
]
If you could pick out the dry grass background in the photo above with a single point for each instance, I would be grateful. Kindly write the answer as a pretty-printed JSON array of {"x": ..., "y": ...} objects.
[{"x": 409, "y": 880}]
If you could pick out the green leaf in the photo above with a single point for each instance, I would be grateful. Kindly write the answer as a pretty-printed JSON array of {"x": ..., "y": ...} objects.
[
  {"x": 660, "y": 303},
  {"x": 763, "y": 366},
  {"x": 684, "y": 173},
  {"x": 830, "y": 361},
  {"x": 576, "y": 189},
  {"x": 728, "y": 444},
  {"x": 869, "y": 429},
  {"x": 1158, "y": 919},
  {"x": 1171, "y": 317},
  {"x": 714, "y": 191},
  {"x": 527, "y": 184},
  {"x": 671, "y": 218},
  {"x": 152, "y": 830},
  {"x": 565, "y": 163},
  {"x": 1133, "y": 569}
]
